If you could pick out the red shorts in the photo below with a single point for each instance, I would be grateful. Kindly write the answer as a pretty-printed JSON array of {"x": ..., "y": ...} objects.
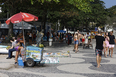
[{"x": 83, "y": 40}]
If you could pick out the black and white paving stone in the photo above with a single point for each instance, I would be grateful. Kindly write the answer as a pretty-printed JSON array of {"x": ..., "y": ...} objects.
[{"x": 80, "y": 64}]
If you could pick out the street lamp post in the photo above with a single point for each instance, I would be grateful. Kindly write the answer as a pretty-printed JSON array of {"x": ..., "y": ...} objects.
[
  {"x": 0, "y": 10},
  {"x": 50, "y": 39},
  {"x": 58, "y": 24}
]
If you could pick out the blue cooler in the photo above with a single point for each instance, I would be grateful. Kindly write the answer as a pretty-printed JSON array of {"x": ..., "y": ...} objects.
[{"x": 35, "y": 53}]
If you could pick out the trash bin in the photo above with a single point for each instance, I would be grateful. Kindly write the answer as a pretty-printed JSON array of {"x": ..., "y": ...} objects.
[{"x": 50, "y": 42}]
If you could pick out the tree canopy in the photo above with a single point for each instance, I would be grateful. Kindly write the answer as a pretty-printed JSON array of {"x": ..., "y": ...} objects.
[
  {"x": 82, "y": 19},
  {"x": 83, "y": 5},
  {"x": 71, "y": 13},
  {"x": 111, "y": 18}
]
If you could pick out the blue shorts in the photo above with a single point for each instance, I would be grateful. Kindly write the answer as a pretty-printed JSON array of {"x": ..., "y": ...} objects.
[
  {"x": 98, "y": 52},
  {"x": 76, "y": 42}
]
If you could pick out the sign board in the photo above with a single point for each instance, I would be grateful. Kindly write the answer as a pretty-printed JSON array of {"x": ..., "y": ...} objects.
[{"x": 34, "y": 53}]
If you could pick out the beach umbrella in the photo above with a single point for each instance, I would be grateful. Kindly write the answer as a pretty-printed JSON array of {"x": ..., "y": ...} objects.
[
  {"x": 62, "y": 31},
  {"x": 21, "y": 17}
]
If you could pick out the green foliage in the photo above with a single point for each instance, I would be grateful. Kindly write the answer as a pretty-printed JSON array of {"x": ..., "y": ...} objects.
[
  {"x": 112, "y": 11},
  {"x": 98, "y": 14},
  {"x": 70, "y": 12},
  {"x": 83, "y": 5},
  {"x": 111, "y": 18}
]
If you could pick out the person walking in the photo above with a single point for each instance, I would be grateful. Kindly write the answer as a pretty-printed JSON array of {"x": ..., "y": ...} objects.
[
  {"x": 106, "y": 44},
  {"x": 99, "y": 47},
  {"x": 70, "y": 38},
  {"x": 66, "y": 38},
  {"x": 111, "y": 43},
  {"x": 83, "y": 39},
  {"x": 48, "y": 35},
  {"x": 89, "y": 38},
  {"x": 76, "y": 42},
  {"x": 79, "y": 35}
]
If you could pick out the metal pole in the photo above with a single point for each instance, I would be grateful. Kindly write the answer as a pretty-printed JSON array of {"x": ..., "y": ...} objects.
[
  {"x": 58, "y": 24},
  {"x": 23, "y": 33},
  {"x": 50, "y": 30},
  {"x": 56, "y": 27}
]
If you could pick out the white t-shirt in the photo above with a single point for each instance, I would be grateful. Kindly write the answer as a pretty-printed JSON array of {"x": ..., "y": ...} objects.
[
  {"x": 30, "y": 35},
  {"x": 15, "y": 41},
  {"x": 14, "y": 44}
]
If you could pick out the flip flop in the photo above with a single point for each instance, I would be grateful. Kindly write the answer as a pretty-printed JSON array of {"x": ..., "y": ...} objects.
[{"x": 76, "y": 51}]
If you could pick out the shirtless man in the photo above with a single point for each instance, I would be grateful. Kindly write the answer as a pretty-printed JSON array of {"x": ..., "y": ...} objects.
[
  {"x": 76, "y": 40},
  {"x": 79, "y": 36}
]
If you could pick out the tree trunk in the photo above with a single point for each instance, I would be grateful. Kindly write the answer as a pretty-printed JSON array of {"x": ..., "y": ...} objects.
[
  {"x": 44, "y": 26},
  {"x": 10, "y": 32},
  {"x": 41, "y": 25},
  {"x": 44, "y": 22}
]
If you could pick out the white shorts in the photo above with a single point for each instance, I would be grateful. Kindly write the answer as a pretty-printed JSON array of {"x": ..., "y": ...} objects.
[{"x": 111, "y": 45}]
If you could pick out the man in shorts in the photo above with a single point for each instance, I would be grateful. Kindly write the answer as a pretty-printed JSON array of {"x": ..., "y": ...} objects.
[
  {"x": 79, "y": 36},
  {"x": 111, "y": 43},
  {"x": 99, "y": 47}
]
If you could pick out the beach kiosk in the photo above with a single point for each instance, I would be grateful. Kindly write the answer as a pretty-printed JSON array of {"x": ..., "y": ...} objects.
[{"x": 30, "y": 54}]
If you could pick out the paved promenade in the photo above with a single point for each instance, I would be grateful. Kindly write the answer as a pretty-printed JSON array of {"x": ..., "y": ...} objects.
[{"x": 80, "y": 64}]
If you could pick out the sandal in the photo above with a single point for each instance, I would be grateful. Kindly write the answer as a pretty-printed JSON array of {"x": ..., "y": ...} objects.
[
  {"x": 16, "y": 63},
  {"x": 76, "y": 51}
]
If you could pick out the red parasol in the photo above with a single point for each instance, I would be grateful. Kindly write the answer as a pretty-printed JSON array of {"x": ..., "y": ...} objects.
[{"x": 21, "y": 17}]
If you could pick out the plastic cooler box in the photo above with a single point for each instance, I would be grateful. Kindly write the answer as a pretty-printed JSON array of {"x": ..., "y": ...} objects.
[{"x": 35, "y": 53}]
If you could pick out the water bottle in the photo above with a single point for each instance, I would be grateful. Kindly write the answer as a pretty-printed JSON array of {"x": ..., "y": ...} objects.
[{"x": 20, "y": 62}]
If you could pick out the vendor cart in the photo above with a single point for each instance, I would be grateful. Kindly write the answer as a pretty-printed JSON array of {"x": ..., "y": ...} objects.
[
  {"x": 86, "y": 45},
  {"x": 33, "y": 55},
  {"x": 30, "y": 56}
]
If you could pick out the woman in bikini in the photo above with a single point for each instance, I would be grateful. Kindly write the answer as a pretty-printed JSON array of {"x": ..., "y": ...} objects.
[
  {"x": 18, "y": 50},
  {"x": 83, "y": 39},
  {"x": 76, "y": 43},
  {"x": 106, "y": 44}
]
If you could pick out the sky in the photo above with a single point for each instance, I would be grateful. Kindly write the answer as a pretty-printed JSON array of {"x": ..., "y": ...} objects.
[{"x": 109, "y": 3}]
